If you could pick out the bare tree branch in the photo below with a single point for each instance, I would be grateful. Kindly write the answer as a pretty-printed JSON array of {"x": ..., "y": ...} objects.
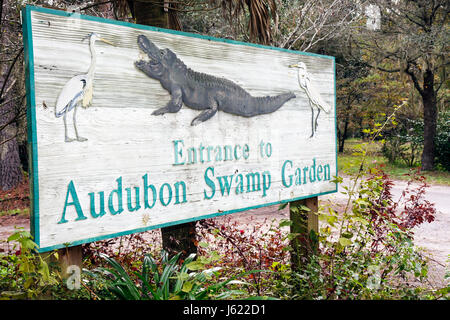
[
  {"x": 8, "y": 74},
  {"x": 316, "y": 21},
  {"x": 414, "y": 79}
]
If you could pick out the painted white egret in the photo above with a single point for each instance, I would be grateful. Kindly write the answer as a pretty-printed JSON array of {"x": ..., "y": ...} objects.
[
  {"x": 78, "y": 90},
  {"x": 315, "y": 101}
]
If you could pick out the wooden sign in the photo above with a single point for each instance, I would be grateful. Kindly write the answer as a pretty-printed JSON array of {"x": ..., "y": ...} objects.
[{"x": 133, "y": 128}]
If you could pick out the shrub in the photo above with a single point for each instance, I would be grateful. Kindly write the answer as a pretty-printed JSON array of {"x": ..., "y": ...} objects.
[
  {"x": 366, "y": 251},
  {"x": 404, "y": 141},
  {"x": 443, "y": 141},
  {"x": 263, "y": 247},
  {"x": 25, "y": 274},
  {"x": 366, "y": 248}
]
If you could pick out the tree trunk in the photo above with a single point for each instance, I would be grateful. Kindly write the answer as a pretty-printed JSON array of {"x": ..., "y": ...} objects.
[
  {"x": 150, "y": 13},
  {"x": 182, "y": 237},
  {"x": 430, "y": 120},
  {"x": 10, "y": 166},
  {"x": 343, "y": 135}
]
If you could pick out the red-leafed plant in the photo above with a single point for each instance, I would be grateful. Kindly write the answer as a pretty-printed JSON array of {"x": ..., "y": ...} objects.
[
  {"x": 406, "y": 212},
  {"x": 262, "y": 246}
]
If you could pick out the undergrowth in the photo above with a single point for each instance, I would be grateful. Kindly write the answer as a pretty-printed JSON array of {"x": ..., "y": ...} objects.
[{"x": 364, "y": 249}]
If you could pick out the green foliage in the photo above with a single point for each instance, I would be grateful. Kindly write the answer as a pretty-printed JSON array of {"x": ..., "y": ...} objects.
[
  {"x": 349, "y": 162},
  {"x": 366, "y": 248},
  {"x": 168, "y": 279},
  {"x": 404, "y": 141},
  {"x": 443, "y": 141},
  {"x": 25, "y": 274}
]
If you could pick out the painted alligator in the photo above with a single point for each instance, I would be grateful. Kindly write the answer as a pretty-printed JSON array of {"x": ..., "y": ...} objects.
[{"x": 201, "y": 91}]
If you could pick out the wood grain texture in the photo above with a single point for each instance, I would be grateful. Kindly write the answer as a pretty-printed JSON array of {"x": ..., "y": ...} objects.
[{"x": 125, "y": 140}]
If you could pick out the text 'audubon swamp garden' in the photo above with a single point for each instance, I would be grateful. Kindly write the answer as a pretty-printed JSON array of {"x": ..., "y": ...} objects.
[{"x": 146, "y": 194}]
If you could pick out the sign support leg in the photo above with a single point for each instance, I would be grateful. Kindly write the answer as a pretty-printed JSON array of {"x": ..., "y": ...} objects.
[
  {"x": 179, "y": 238},
  {"x": 70, "y": 256},
  {"x": 305, "y": 225},
  {"x": 69, "y": 262}
]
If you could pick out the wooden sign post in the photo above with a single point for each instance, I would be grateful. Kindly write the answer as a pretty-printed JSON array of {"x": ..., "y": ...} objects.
[
  {"x": 133, "y": 128},
  {"x": 305, "y": 224}
]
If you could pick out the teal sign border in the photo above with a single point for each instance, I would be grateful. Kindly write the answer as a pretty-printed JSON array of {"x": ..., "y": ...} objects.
[{"x": 31, "y": 121}]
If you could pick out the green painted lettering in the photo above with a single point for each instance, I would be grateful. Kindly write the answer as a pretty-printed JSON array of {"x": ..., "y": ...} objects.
[
  {"x": 245, "y": 151},
  {"x": 313, "y": 171},
  {"x": 228, "y": 153},
  {"x": 200, "y": 152},
  {"x": 304, "y": 174},
  {"x": 240, "y": 182},
  {"x": 236, "y": 155},
  {"x": 161, "y": 194},
  {"x": 137, "y": 206},
  {"x": 218, "y": 152},
  {"x": 209, "y": 183},
  {"x": 283, "y": 174},
  {"x": 266, "y": 182},
  {"x": 254, "y": 185},
  {"x": 192, "y": 155},
  {"x": 177, "y": 192},
  {"x": 209, "y": 148},
  {"x": 75, "y": 202},
  {"x": 118, "y": 192},
  {"x": 178, "y": 152},
  {"x": 327, "y": 174},
  {"x": 319, "y": 172},
  {"x": 225, "y": 184},
  {"x": 298, "y": 177},
  {"x": 146, "y": 187},
  {"x": 102, "y": 211}
]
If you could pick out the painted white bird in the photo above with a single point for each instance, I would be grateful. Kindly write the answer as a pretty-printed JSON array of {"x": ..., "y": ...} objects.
[
  {"x": 78, "y": 91},
  {"x": 312, "y": 93}
]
